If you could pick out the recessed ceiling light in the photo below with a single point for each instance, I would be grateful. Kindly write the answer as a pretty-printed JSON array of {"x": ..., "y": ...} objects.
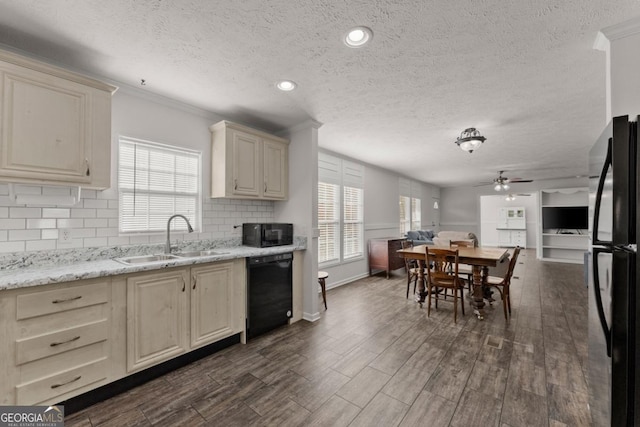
[
  {"x": 286, "y": 85},
  {"x": 358, "y": 37}
]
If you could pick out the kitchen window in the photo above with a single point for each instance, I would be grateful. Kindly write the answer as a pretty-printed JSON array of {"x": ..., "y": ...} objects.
[
  {"x": 156, "y": 181},
  {"x": 340, "y": 210}
]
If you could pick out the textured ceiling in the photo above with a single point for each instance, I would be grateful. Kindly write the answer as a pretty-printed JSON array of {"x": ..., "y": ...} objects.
[{"x": 524, "y": 73}]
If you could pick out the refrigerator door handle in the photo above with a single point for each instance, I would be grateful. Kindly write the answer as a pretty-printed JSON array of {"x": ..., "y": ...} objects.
[
  {"x": 596, "y": 290},
  {"x": 601, "y": 181}
]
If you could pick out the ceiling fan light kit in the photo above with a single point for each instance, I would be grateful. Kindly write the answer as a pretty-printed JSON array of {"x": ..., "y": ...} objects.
[
  {"x": 470, "y": 139},
  {"x": 501, "y": 183}
]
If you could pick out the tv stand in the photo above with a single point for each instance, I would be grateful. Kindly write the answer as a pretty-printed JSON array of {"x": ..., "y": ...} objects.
[
  {"x": 562, "y": 245},
  {"x": 563, "y": 231}
]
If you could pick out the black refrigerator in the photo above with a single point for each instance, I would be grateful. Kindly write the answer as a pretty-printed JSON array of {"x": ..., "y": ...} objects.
[{"x": 614, "y": 304}]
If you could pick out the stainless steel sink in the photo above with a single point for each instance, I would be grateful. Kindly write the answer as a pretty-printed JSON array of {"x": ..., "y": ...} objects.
[
  {"x": 144, "y": 259},
  {"x": 193, "y": 254}
]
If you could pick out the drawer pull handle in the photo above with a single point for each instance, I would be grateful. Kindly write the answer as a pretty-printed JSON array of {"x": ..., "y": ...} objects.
[
  {"x": 68, "y": 382},
  {"x": 55, "y": 344},
  {"x": 58, "y": 301}
]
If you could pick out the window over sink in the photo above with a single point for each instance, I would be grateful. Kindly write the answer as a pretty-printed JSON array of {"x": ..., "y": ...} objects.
[{"x": 156, "y": 181}]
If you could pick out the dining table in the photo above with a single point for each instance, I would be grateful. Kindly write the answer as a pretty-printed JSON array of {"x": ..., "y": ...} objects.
[{"x": 479, "y": 258}]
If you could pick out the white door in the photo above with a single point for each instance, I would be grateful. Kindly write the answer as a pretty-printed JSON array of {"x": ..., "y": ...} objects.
[{"x": 435, "y": 221}]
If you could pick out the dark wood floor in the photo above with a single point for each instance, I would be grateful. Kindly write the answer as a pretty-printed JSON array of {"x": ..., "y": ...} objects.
[{"x": 374, "y": 358}]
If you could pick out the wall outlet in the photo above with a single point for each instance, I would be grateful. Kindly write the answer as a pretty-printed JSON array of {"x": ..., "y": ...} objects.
[{"x": 64, "y": 235}]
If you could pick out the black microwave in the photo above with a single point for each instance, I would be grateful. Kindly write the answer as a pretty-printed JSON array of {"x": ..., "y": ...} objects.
[{"x": 264, "y": 235}]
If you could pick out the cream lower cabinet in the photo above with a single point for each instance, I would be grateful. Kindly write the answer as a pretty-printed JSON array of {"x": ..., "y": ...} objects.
[
  {"x": 179, "y": 309},
  {"x": 62, "y": 340},
  {"x": 156, "y": 317},
  {"x": 56, "y": 341},
  {"x": 216, "y": 300}
]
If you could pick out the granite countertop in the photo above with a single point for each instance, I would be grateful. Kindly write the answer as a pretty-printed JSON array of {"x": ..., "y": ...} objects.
[{"x": 46, "y": 274}]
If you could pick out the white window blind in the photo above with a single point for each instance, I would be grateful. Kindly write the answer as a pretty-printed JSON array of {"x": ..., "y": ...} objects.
[
  {"x": 353, "y": 224},
  {"x": 416, "y": 214},
  {"x": 156, "y": 181},
  {"x": 340, "y": 209},
  {"x": 410, "y": 205},
  {"x": 405, "y": 215},
  {"x": 328, "y": 222}
]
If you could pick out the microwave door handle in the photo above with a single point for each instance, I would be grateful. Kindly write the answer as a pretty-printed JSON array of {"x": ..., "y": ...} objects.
[
  {"x": 596, "y": 211},
  {"x": 596, "y": 290}
]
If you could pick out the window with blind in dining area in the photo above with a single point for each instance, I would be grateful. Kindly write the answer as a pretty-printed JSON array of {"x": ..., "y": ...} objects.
[{"x": 340, "y": 210}]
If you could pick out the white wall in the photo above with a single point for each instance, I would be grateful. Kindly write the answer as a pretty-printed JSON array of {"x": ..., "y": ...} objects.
[
  {"x": 489, "y": 206},
  {"x": 460, "y": 206},
  {"x": 302, "y": 207},
  {"x": 625, "y": 63}
]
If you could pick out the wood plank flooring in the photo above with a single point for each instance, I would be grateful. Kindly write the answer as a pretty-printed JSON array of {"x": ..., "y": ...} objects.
[{"x": 374, "y": 358}]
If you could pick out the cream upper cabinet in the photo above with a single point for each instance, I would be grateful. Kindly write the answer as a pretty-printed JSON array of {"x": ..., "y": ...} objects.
[
  {"x": 56, "y": 125},
  {"x": 248, "y": 164},
  {"x": 156, "y": 317},
  {"x": 217, "y": 303},
  {"x": 275, "y": 167}
]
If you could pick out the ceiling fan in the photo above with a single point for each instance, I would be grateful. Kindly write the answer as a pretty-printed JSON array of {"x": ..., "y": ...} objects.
[{"x": 501, "y": 183}]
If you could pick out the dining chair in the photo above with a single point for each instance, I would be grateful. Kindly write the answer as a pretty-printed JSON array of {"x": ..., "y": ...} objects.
[
  {"x": 464, "y": 269},
  {"x": 440, "y": 276},
  {"x": 412, "y": 268},
  {"x": 502, "y": 284}
]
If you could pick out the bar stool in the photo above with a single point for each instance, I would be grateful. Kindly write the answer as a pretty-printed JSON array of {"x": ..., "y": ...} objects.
[{"x": 322, "y": 276}]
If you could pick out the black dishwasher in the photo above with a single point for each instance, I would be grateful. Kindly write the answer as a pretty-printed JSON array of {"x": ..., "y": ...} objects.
[{"x": 270, "y": 300}]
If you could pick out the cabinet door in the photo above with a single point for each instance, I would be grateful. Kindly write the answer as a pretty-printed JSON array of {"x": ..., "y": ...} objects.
[
  {"x": 156, "y": 317},
  {"x": 275, "y": 166},
  {"x": 502, "y": 218},
  {"x": 46, "y": 132},
  {"x": 246, "y": 177},
  {"x": 212, "y": 303},
  {"x": 519, "y": 238},
  {"x": 504, "y": 237}
]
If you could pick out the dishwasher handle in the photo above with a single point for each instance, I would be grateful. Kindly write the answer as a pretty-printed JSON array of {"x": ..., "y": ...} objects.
[{"x": 260, "y": 260}]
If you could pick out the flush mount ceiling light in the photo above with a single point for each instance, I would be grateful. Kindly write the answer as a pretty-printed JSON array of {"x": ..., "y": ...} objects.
[
  {"x": 470, "y": 139},
  {"x": 358, "y": 37},
  {"x": 286, "y": 85}
]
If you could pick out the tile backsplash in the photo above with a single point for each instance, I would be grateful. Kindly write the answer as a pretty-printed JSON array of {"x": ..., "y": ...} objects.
[{"x": 93, "y": 222}]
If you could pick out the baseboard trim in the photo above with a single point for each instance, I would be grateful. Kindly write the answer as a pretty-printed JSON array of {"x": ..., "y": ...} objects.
[
  {"x": 347, "y": 281},
  {"x": 311, "y": 317}
]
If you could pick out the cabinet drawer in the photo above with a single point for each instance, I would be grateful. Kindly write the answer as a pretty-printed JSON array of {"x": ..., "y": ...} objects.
[
  {"x": 34, "y": 348},
  {"x": 47, "y": 302},
  {"x": 60, "y": 383}
]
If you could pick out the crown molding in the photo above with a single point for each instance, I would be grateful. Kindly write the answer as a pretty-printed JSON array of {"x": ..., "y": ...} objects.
[{"x": 621, "y": 30}]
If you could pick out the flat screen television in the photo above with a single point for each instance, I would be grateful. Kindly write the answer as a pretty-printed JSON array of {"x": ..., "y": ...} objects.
[{"x": 565, "y": 217}]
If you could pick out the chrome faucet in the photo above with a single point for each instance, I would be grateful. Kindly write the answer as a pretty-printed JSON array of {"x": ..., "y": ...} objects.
[{"x": 167, "y": 246}]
